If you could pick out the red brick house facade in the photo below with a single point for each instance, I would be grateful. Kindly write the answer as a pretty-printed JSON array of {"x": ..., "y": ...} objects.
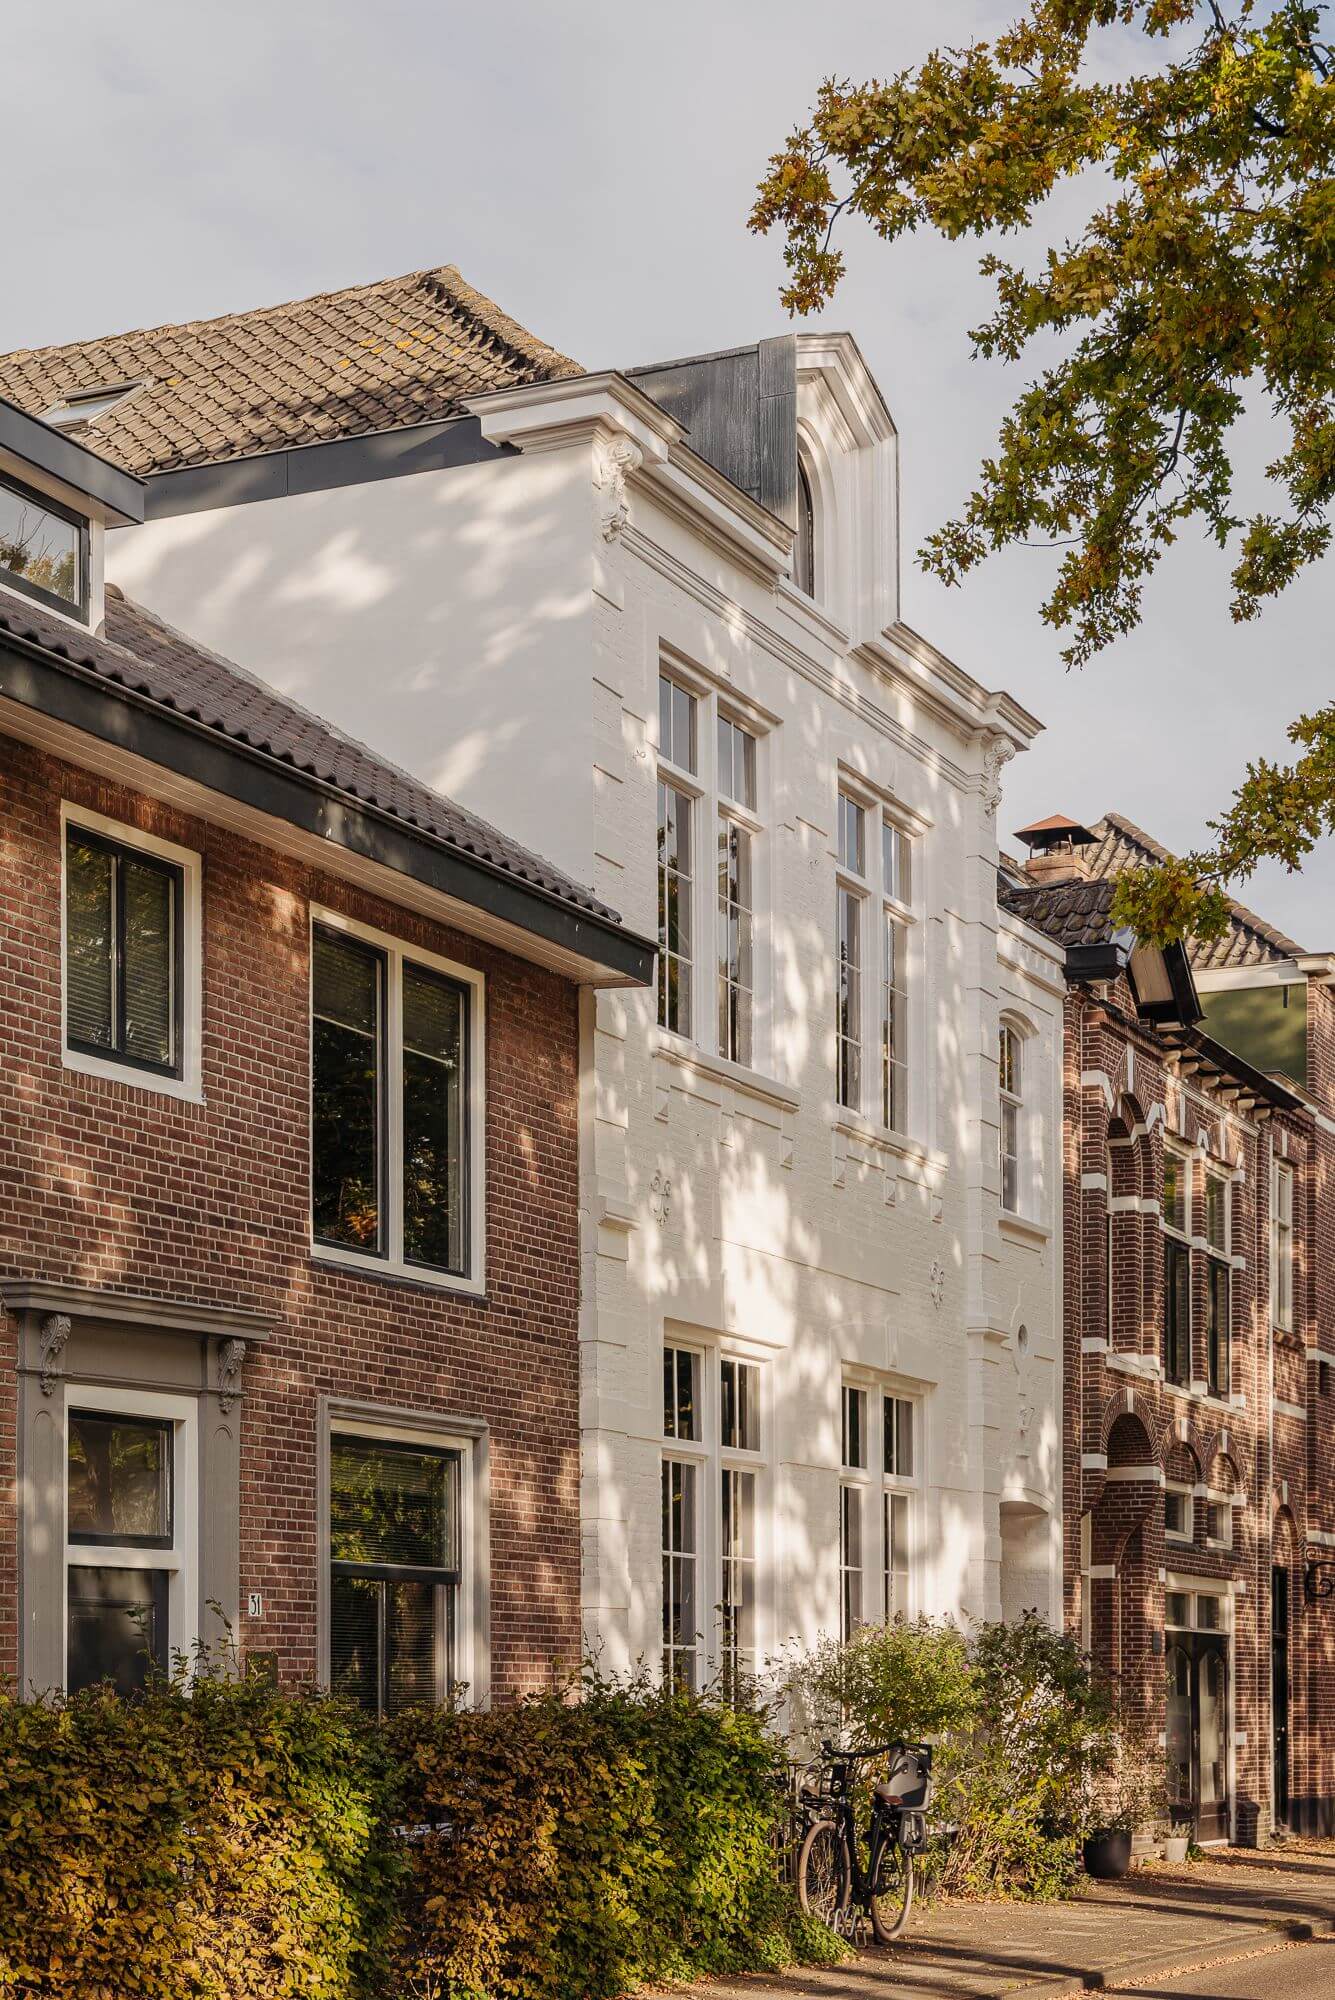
[
  {"x": 356, "y": 1439},
  {"x": 1199, "y": 1337}
]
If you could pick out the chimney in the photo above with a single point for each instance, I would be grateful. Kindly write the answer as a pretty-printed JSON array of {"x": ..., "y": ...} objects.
[{"x": 1059, "y": 850}]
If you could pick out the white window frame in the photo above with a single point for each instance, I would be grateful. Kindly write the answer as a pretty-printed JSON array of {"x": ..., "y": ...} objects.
[
  {"x": 872, "y": 1487},
  {"x": 470, "y": 1438},
  {"x": 189, "y": 1085},
  {"x": 393, "y": 1263},
  {"x": 1281, "y": 1245},
  {"x": 880, "y": 910},
  {"x": 1180, "y": 1233},
  {"x": 905, "y": 1486},
  {"x": 1187, "y": 1535},
  {"x": 710, "y": 809},
  {"x": 1218, "y": 1256},
  {"x": 181, "y": 1560},
  {"x": 1011, "y": 1101},
  {"x": 711, "y": 1457}
]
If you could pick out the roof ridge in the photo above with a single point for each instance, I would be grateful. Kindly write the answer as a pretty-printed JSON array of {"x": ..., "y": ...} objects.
[
  {"x": 447, "y": 278},
  {"x": 1247, "y": 918}
]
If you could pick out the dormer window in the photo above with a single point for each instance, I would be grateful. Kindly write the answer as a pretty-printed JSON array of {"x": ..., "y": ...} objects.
[
  {"x": 804, "y": 546},
  {"x": 43, "y": 549}
]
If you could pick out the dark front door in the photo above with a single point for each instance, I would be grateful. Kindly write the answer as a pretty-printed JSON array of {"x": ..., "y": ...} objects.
[
  {"x": 1279, "y": 1689},
  {"x": 1197, "y": 1731}
]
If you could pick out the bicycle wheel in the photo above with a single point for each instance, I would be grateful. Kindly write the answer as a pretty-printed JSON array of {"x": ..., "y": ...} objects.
[
  {"x": 823, "y": 1872},
  {"x": 892, "y": 1893}
]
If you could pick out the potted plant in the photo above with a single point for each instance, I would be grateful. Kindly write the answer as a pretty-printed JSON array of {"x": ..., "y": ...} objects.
[{"x": 1124, "y": 1791}]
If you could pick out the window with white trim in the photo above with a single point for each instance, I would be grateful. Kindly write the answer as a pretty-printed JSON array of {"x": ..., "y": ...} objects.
[
  {"x": 899, "y": 1454},
  {"x": 804, "y": 542},
  {"x": 130, "y": 1528},
  {"x": 1179, "y": 1525},
  {"x": 1175, "y": 1217},
  {"x": 874, "y": 927},
  {"x": 43, "y": 549},
  {"x": 712, "y": 1484},
  {"x": 1219, "y": 1521},
  {"x": 1281, "y": 1261},
  {"x": 880, "y": 1473},
  {"x": 1010, "y": 1060},
  {"x": 396, "y": 1076},
  {"x": 709, "y": 764},
  {"x": 1218, "y": 1283}
]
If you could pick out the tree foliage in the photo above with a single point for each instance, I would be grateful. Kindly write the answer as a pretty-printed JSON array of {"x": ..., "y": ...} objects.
[{"x": 1204, "y": 274}]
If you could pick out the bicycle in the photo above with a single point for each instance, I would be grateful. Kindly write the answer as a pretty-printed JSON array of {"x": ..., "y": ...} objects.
[{"x": 830, "y": 1875}]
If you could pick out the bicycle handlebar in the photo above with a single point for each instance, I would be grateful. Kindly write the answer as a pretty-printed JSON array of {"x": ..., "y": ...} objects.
[{"x": 828, "y": 1749}]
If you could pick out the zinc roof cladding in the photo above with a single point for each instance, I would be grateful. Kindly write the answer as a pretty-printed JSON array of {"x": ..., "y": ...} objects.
[
  {"x": 342, "y": 364},
  {"x": 141, "y": 653},
  {"x": 1249, "y": 939}
]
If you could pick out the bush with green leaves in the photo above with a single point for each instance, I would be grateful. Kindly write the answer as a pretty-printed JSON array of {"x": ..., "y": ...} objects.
[
  {"x": 1026, "y": 1738},
  {"x": 215, "y": 1842},
  {"x": 585, "y": 1847}
]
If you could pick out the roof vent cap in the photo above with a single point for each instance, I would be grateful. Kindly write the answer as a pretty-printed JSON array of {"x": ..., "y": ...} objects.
[{"x": 1058, "y": 849}]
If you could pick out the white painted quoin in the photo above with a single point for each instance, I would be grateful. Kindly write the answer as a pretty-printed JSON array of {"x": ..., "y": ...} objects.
[{"x": 862, "y": 1340}]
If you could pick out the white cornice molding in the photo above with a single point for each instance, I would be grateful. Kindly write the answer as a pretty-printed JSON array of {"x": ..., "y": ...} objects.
[
  {"x": 911, "y": 662},
  {"x": 837, "y": 359}
]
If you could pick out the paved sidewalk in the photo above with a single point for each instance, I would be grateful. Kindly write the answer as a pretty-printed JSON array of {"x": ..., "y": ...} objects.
[{"x": 1159, "y": 1917}]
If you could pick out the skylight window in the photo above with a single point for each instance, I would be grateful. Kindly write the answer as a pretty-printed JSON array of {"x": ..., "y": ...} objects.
[{"x": 83, "y": 406}]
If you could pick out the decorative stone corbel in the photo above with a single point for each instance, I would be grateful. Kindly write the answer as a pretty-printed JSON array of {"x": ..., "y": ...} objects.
[
  {"x": 618, "y": 459},
  {"x": 231, "y": 1356},
  {"x": 995, "y": 758},
  {"x": 55, "y": 1333}
]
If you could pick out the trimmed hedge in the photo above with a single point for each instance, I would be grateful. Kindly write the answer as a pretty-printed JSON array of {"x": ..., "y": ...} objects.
[
  {"x": 240, "y": 1843},
  {"x": 217, "y": 1846}
]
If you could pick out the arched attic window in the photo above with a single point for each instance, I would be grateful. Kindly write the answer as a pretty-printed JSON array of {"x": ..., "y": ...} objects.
[{"x": 804, "y": 545}]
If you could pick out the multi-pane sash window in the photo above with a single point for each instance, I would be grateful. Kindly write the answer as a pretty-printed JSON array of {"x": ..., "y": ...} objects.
[
  {"x": 739, "y": 1405},
  {"x": 1282, "y": 1282},
  {"x": 123, "y": 953},
  {"x": 1177, "y": 1514},
  {"x": 394, "y": 1572},
  {"x": 895, "y": 1531},
  {"x": 1011, "y": 1069},
  {"x": 738, "y": 1562},
  {"x": 1218, "y": 1287},
  {"x": 1176, "y": 1268},
  {"x": 677, "y": 730},
  {"x": 389, "y": 1056},
  {"x": 120, "y": 1505},
  {"x": 851, "y": 914},
  {"x": 736, "y": 890},
  {"x": 681, "y": 1562},
  {"x": 681, "y": 1394},
  {"x": 897, "y": 888},
  {"x": 853, "y": 1448},
  {"x": 850, "y": 1560},
  {"x": 43, "y": 549},
  {"x": 897, "y": 1453},
  {"x": 898, "y": 1437}
]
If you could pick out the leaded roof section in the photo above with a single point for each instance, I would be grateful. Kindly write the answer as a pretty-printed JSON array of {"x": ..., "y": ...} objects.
[
  {"x": 344, "y": 364},
  {"x": 143, "y": 654}
]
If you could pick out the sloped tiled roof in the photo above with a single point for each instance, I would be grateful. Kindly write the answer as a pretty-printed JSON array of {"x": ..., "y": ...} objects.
[
  {"x": 140, "y": 652},
  {"x": 1249, "y": 940},
  {"x": 1070, "y": 913},
  {"x": 344, "y": 364}
]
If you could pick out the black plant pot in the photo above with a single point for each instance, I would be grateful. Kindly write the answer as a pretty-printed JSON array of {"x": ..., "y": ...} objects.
[{"x": 1108, "y": 1854}]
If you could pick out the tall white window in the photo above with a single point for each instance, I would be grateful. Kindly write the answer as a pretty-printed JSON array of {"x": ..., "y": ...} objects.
[
  {"x": 712, "y": 1483},
  {"x": 851, "y": 913},
  {"x": 1175, "y": 1223},
  {"x": 897, "y": 895},
  {"x": 677, "y": 759},
  {"x": 1218, "y": 1284},
  {"x": 1281, "y": 1283},
  {"x": 899, "y": 1463},
  {"x": 736, "y": 889},
  {"x": 1011, "y": 1078},
  {"x": 739, "y": 1447}
]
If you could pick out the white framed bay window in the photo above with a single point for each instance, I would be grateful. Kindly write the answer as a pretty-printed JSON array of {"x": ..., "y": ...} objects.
[
  {"x": 879, "y": 1526},
  {"x": 876, "y": 942},
  {"x": 711, "y": 871},
  {"x": 398, "y": 1066}
]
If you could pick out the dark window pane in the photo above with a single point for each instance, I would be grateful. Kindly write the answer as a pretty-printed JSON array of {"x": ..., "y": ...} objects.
[
  {"x": 117, "y": 1627},
  {"x": 347, "y": 982},
  {"x": 390, "y": 1504},
  {"x": 150, "y": 953},
  {"x": 433, "y": 1121},
  {"x": 90, "y": 935},
  {"x": 412, "y": 1679},
  {"x": 354, "y": 1642},
  {"x": 39, "y": 548},
  {"x": 120, "y": 1478}
]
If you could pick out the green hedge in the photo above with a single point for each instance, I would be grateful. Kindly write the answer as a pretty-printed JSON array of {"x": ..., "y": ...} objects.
[{"x": 238, "y": 1843}]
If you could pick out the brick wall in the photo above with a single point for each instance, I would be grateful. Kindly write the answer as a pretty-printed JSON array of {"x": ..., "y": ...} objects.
[{"x": 108, "y": 1183}]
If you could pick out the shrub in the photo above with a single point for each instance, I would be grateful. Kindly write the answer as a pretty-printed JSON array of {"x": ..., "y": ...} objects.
[
  {"x": 229, "y": 1843},
  {"x": 586, "y": 1848},
  {"x": 1021, "y": 1731}
]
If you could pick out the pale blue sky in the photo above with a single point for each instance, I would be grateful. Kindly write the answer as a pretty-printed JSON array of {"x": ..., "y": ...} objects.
[{"x": 591, "y": 166}]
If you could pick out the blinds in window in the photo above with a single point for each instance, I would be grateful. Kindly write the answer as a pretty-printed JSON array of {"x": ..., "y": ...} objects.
[
  {"x": 392, "y": 1507},
  {"x": 90, "y": 940}
]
